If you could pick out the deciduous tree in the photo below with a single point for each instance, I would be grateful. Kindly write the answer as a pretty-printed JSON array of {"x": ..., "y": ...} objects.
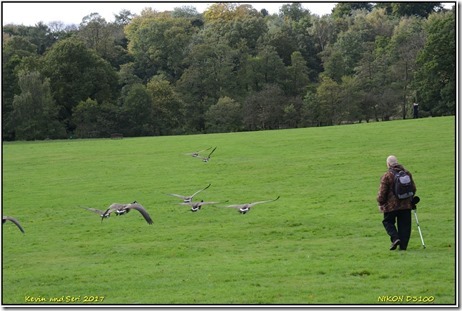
[
  {"x": 35, "y": 113},
  {"x": 95, "y": 120},
  {"x": 436, "y": 74},
  {"x": 77, "y": 73},
  {"x": 137, "y": 111},
  {"x": 224, "y": 116},
  {"x": 264, "y": 110},
  {"x": 167, "y": 108},
  {"x": 297, "y": 74},
  {"x": 329, "y": 100},
  {"x": 159, "y": 44}
]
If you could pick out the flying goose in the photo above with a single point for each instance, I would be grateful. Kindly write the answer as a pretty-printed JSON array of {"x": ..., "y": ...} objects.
[
  {"x": 244, "y": 208},
  {"x": 196, "y": 153},
  {"x": 13, "y": 220},
  {"x": 121, "y": 209},
  {"x": 195, "y": 206},
  {"x": 207, "y": 158},
  {"x": 187, "y": 199}
]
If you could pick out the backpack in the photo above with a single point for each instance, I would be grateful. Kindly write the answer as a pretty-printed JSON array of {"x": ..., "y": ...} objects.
[{"x": 403, "y": 185}]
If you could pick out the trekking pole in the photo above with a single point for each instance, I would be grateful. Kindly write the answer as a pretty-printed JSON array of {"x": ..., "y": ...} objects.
[
  {"x": 418, "y": 227},
  {"x": 416, "y": 200}
]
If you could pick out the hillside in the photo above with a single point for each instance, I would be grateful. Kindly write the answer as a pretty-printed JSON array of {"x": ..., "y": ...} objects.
[{"x": 322, "y": 242}]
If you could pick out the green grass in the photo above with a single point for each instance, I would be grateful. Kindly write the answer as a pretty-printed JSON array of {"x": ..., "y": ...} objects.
[{"x": 321, "y": 243}]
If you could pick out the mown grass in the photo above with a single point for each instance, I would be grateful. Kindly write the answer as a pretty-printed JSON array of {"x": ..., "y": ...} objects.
[{"x": 322, "y": 242}]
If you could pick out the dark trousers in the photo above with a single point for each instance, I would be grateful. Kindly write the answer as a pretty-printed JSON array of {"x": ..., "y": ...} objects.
[{"x": 403, "y": 231}]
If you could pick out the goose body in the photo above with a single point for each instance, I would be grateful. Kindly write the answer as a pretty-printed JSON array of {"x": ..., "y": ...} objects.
[
  {"x": 188, "y": 198},
  {"x": 195, "y": 206},
  {"x": 244, "y": 208},
  {"x": 121, "y": 209},
  {"x": 13, "y": 220}
]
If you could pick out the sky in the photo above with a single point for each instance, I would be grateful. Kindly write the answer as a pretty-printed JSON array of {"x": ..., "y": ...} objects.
[{"x": 31, "y": 12}]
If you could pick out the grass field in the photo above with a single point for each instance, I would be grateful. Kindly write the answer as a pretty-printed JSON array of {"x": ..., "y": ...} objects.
[{"x": 322, "y": 242}]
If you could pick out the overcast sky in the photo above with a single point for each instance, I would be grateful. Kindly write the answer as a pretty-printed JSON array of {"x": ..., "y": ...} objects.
[{"x": 30, "y": 13}]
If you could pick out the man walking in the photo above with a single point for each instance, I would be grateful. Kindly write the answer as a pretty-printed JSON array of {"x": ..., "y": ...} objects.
[{"x": 396, "y": 210}]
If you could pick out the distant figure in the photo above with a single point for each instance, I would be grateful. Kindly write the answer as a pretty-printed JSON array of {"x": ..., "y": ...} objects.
[
  {"x": 416, "y": 110},
  {"x": 395, "y": 211}
]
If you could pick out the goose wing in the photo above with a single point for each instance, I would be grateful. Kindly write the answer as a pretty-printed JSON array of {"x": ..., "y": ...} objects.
[
  {"x": 178, "y": 196},
  {"x": 251, "y": 204},
  {"x": 192, "y": 195},
  {"x": 192, "y": 204},
  {"x": 196, "y": 153},
  {"x": 142, "y": 210},
  {"x": 211, "y": 152},
  {"x": 13, "y": 220},
  {"x": 184, "y": 197},
  {"x": 208, "y": 203},
  {"x": 205, "y": 159},
  {"x": 238, "y": 205},
  {"x": 260, "y": 202},
  {"x": 94, "y": 210}
]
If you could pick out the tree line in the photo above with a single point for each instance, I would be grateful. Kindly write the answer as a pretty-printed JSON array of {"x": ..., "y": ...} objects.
[{"x": 230, "y": 68}]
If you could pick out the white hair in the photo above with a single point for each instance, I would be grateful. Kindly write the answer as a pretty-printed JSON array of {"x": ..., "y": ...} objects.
[{"x": 391, "y": 160}]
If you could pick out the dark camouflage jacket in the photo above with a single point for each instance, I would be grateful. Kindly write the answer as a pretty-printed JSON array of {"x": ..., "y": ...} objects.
[{"x": 387, "y": 200}]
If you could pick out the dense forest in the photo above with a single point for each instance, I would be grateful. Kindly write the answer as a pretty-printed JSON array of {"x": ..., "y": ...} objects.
[{"x": 231, "y": 68}]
